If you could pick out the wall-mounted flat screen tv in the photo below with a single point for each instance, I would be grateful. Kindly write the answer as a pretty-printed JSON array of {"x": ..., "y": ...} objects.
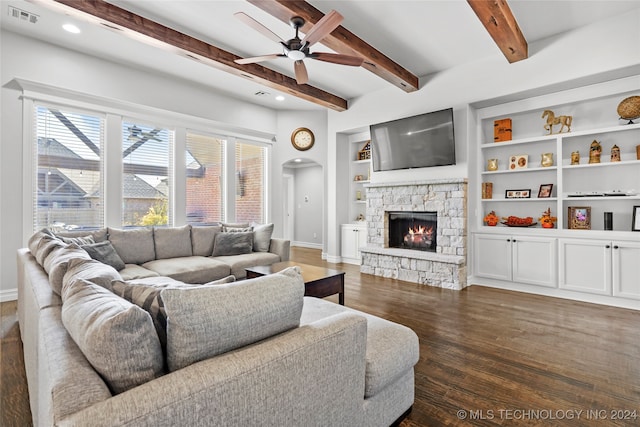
[{"x": 419, "y": 141}]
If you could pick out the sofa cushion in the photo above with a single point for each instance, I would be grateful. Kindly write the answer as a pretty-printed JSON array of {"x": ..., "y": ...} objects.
[
  {"x": 80, "y": 240},
  {"x": 233, "y": 243},
  {"x": 57, "y": 263},
  {"x": 172, "y": 242},
  {"x": 202, "y": 239},
  {"x": 384, "y": 363},
  {"x": 194, "y": 269},
  {"x": 105, "y": 253},
  {"x": 134, "y": 246},
  {"x": 229, "y": 279},
  {"x": 45, "y": 246},
  {"x": 91, "y": 270},
  {"x": 116, "y": 336},
  {"x": 238, "y": 263},
  {"x": 135, "y": 271},
  {"x": 230, "y": 225},
  {"x": 262, "y": 237},
  {"x": 35, "y": 238},
  {"x": 206, "y": 321},
  {"x": 98, "y": 235}
]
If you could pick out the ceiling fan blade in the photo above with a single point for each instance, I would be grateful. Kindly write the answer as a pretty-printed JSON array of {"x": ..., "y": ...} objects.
[
  {"x": 336, "y": 58},
  {"x": 258, "y": 26},
  {"x": 301, "y": 72},
  {"x": 255, "y": 59},
  {"x": 323, "y": 28}
]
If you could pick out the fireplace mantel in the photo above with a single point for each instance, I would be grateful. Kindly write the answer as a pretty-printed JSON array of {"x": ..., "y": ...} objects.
[{"x": 446, "y": 267}]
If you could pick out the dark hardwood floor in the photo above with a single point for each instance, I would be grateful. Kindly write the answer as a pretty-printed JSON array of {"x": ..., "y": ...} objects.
[{"x": 488, "y": 357}]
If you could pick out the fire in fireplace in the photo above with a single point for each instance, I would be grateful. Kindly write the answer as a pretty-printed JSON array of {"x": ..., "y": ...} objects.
[{"x": 413, "y": 230}]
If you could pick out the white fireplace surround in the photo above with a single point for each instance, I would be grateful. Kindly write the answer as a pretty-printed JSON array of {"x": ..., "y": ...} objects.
[{"x": 446, "y": 268}]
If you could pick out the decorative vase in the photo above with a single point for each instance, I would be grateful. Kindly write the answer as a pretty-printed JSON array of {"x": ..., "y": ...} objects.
[
  {"x": 547, "y": 160},
  {"x": 594, "y": 152},
  {"x": 615, "y": 153},
  {"x": 638, "y": 152},
  {"x": 575, "y": 158},
  {"x": 492, "y": 164}
]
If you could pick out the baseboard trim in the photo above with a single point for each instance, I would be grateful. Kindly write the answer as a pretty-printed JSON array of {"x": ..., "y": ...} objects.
[
  {"x": 9, "y": 295},
  {"x": 334, "y": 259},
  {"x": 307, "y": 245}
]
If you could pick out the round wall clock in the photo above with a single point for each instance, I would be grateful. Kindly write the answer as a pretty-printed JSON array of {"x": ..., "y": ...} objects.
[{"x": 302, "y": 139}]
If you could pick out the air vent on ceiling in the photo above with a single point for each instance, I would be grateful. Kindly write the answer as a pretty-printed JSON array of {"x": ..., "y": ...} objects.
[{"x": 23, "y": 15}]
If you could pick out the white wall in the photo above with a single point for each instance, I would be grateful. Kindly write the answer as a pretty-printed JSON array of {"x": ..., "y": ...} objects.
[
  {"x": 598, "y": 52},
  {"x": 54, "y": 66},
  {"x": 308, "y": 210}
]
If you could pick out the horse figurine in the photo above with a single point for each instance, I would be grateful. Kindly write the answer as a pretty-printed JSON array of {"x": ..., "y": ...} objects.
[{"x": 553, "y": 120}]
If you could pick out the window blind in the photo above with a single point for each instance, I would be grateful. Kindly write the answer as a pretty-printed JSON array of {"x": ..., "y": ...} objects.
[{"x": 250, "y": 163}]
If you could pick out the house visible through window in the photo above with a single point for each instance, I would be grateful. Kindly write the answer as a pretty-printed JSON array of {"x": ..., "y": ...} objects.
[
  {"x": 68, "y": 193},
  {"x": 205, "y": 179},
  {"x": 251, "y": 160},
  {"x": 146, "y": 184}
]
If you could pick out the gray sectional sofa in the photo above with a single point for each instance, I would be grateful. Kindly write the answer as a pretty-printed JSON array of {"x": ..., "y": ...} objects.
[{"x": 104, "y": 347}]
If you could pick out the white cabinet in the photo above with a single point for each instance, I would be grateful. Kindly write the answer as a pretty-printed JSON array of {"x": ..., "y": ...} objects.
[
  {"x": 354, "y": 236},
  {"x": 522, "y": 259},
  {"x": 603, "y": 267}
]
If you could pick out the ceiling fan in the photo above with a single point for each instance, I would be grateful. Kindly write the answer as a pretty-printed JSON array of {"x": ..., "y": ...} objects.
[{"x": 297, "y": 49}]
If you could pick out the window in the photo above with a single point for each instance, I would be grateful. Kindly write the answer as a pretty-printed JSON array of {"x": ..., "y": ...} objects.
[
  {"x": 250, "y": 182},
  {"x": 69, "y": 191},
  {"x": 146, "y": 183},
  {"x": 205, "y": 179}
]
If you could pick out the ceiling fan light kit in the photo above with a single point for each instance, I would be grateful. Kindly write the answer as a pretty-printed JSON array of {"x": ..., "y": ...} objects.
[{"x": 297, "y": 49}]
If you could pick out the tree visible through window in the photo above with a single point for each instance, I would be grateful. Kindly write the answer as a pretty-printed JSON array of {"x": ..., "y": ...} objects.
[
  {"x": 69, "y": 178},
  {"x": 146, "y": 158}
]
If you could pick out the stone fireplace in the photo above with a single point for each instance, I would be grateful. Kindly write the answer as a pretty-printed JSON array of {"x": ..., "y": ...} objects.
[
  {"x": 435, "y": 257},
  {"x": 413, "y": 230}
]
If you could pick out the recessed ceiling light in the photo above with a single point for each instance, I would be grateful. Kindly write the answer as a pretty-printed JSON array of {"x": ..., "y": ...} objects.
[
  {"x": 71, "y": 28},
  {"x": 279, "y": 98}
]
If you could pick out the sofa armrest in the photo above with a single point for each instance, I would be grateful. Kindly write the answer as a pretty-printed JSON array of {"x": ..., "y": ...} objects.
[
  {"x": 310, "y": 375},
  {"x": 280, "y": 247}
]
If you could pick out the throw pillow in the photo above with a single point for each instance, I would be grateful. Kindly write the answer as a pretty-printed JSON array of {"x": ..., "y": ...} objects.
[
  {"x": 237, "y": 229},
  {"x": 205, "y": 321},
  {"x": 202, "y": 238},
  {"x": 233, "y": 243},
  {"x": 105, "y": 253},
  {"x": 134, "y": 246},
  {"x": 34, "y": 240},
  {"x": 172, "y": 242},
  {"x": 262, "y": 237},
  {"x": 229, "y": 279},
  {"x": 58, "y": 264},
  {"x": 80, "y": 240},
  {"x": 98, "y": 235},
  {"x": 227, "y": 225},
  {"x": 116, "y": 337},
  {"x": 91, "y": 270},
  {"x": 45, "y": 246}
]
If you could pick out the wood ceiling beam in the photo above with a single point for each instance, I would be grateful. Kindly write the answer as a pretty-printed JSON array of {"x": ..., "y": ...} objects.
[
  {"x": 497, "y": 18},
  {"x": 153, "y": 33},
  {"x": 342, "y": 41}
]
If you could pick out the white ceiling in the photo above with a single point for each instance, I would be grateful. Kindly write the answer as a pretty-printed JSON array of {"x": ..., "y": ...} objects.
[{"x": 424, "y": 36}]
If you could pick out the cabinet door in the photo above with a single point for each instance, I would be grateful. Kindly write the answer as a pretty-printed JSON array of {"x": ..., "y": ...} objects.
[
  {"x": 492, "y": 256},
  {"x": 585, "y": 265},
  {"x": 535, "y": 261},
  {"x": 361, "y": 240},
  {"x": 348, "y": 242},
  {"x": 626, "y": 269}
]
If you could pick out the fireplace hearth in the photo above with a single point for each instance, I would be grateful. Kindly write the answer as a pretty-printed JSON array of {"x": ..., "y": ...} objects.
[{"x": 413, "y": 230}]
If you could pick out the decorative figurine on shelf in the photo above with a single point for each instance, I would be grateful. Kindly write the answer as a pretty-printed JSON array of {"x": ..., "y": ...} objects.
[
  {"x": 546, "y": 220},
  {"x": 615, "y": 153},
  {"x": 553, "y": 120},
  {"x": 575, "y": 158},
  {"x": 492, "y": 164},
  {"x": 360, "y": 217},
  {"x": 491, "y": 219},
  {"x": 547, "y": 160},
  {"x": 594, "y": 152},
  {"x": 629, "y": 109}
]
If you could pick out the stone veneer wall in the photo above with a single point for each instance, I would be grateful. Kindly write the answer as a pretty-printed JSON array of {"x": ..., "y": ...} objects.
[{"x": 447, "y": 267}]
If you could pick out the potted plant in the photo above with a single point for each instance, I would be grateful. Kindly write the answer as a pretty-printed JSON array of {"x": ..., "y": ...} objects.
[{"x": 491, "y": 219}]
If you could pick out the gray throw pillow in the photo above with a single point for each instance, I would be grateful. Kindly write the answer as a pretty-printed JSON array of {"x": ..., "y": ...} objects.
[
  {"x": 172, "y": 242},
  {"x": 228, "y": 225},
  {"x": 116, "y": 337},
  {"x": 34, "y": 240},
  {"x": 205, "y": 321},
  {"x": 91, "y": 270},
  {"x": 262, "y": 237},
  {"x": 80, "y": 240},
  {"x": 105, "y": 253},
  {"x": 233, "y": 243},
  {"x": 57, "y": 263}
]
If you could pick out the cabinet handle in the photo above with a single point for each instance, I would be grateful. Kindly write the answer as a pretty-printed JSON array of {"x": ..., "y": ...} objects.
[
  {"x": 607, "y": 247},
  {"x": 508, "y": 240},
  {"x": 513, "y": 240},
  {"x": 615, "y": 247}
]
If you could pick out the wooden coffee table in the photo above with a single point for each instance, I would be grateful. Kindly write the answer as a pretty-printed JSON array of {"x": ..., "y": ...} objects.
[{"x": 319, "y": 282}]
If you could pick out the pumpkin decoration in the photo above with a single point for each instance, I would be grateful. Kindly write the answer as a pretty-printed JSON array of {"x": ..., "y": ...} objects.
[
  {"x": 491, "y": 219},
  {"x": 546, "y": 220}
]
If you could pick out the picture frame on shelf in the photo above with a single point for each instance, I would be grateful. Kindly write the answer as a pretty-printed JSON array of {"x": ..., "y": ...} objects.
[
  {"x": 635, "y": 222},
  {"x": 579, "y": 218},
  {"x": 519, "y": 161},
  {"x": 545, "y": 191},
  {"x": 517, "y": 194}
]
